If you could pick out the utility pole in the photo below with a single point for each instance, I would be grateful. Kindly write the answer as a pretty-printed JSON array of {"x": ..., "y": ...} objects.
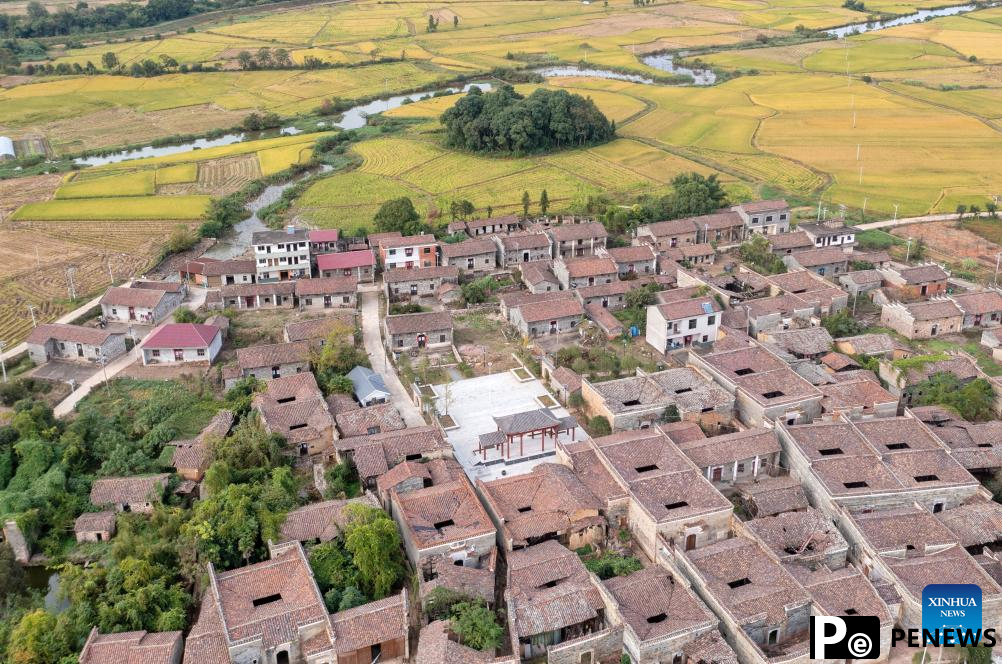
[
  {"x": 3, "y": 364},
  {"x": 111, "y": 275},
  {"x": 103, "y": 361},
  {"x": 908, "y": 251},
  {"x": 31, "y": 310},
  {"x": 863, "y": 218},
  {"x": 69, "y": 275},
  {"x": 895, "y": 212},
  {"x": 997, "y": 257}
]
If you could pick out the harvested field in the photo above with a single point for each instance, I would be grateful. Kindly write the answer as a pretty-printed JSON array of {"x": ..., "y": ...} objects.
[
  {"x": 944, "y": 238},
  {"x": 17, "y": 192},
  {"x": 224, "y": 176}
]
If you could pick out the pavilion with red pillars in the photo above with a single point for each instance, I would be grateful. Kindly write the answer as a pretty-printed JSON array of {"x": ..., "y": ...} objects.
[{"x": 532, "y": 423}]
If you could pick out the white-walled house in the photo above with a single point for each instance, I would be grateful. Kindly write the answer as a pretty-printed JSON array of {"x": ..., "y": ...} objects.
[
  {"x": 76, "y": 343},
  {"x": 681, "y": 323},
  {"x": 139, "y": 305},
  {"x": 181, "y": 343}
]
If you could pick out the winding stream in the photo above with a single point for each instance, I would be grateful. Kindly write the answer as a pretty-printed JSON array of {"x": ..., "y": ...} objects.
[
  {"x": 666, "y": 62},
  {"x": 907, "y": 19}
]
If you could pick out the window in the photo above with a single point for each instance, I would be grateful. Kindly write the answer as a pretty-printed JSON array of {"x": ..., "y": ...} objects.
[
  {"x": 773, "y": 636},
  {"x": 692, "y": 323},
  {"x": 441, "y": 338},
  {"x": 741, "y": 468},
  {"x": 768, "y": 218},
  {"x": 156, "y": 353},
  {"x": 710, "y": 320},
  {"x": 393, "y": 252},
  {"x": 400, "y": 342},
  {"x": 346, "y": 299},
  {"x": 200, "y": 352}
]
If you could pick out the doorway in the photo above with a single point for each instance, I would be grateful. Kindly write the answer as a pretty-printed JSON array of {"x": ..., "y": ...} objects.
[
  {"x": 80, "y": 352},
  {"x": 690, "y": 542},
  {"x": 178, "y": 355},
  {"x": 422, "y": 341},
  {"x": 132, "y": 313}
]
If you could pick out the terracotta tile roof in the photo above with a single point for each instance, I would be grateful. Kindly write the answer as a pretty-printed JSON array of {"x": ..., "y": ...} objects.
[
  {"x": 838, "y": 361},
  {"x": 370, "y": 624},
  {"x": 319, "y": 328},
  {"x": 860, "y": 277},
  {"x": 181, "y": 335},
  {"x": 294, "y": 407},
  {"x": 505, "y": 220},
  {"x": 592, "y": 266},
  {"x": 678, "y": 496},
  {"x": 421, "y": 274},
  {"x": 550, "y": 498},
  {"x": 401, "y": 472},
  {"x": 423, "y": 322},
  {"x": 269, "y": 355},
  {"x": 131, "y": 647},
  {"x": 773, "y": 495},
  {"x": 133, "y": 297},
  {"x": 641, "y": 453},
  {"x": 442, "y": 514},
  {"x": 322, "y": 521},
  {"x": 573, "y": 232},
  {"x": 953, "y": 565},
  {"x": 68, "y": 333},
  {"x": 214, "y": 268},
  {"x": 817, "y": 257},
  {"x": 682, "y": 432},
  {"x": 687, "y": 251},
  {"x": 374, "y": 455},
  {"x": 551, "y": 310},
  {"x": 523, "y": 241},
  {"x": 985, "y": 302},
  {"x": 471, "y": 247},
  {"x": 346, "y": 260},
  {"x": 206, "y": 643},
  {"x": 747, "y": 581},
  {"x": 803, "y": 342},
  {"x": 732, "y": 447},
  {"x": 521, "y": 298},
  {"x": 784, "y": 304},
  {"x": 976, "y": 523},
  {"x": 683, "y": 387},
  {"x": 655, "y": 606},
  {"x": 369, "y": 420},
  {"x": 95, "y": 521},
  {"x": 933, "y": 310},
  {"x": 375, "y": 238},
  {"x": 593, "y": 473},
  {"x": 961, "y": 367},
  {"x": 118, "y": 490},
  {"x": 710, "y": 648},
  {"x": 252, "y": 290},
  {"x": 538, "y": 272},
  {"x": 478, "y": 582},
  {"x": 435, "y": 647},
  {"x": 791, "y": 240},
  {"x": 846, "y": 592},
  {"x": 799, "y": 536},
  {"x": 860, "y": 393},
  {"x": 921, "y": 274},
  {"x": 370, "y": 461},
  {"x": 326, "y": 285},
  {"x": 689, "y": 308},
  {"x": 632, "y": 254},
  {"x": 549, "y": 588},
  {"x": 671, "y": 227},
  {"x": 324, "y": 235},
  {"x": 912, "y": 528},
  {"x": 611, "y": 288},
  {"x": 872, "y": 344},
  {"x": 568, "y": 378}
]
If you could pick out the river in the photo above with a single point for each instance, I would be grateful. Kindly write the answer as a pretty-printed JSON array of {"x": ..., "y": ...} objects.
[
  {"x": 666, "y": 62},
  {"x": 43, "y": 578},
  {"x": 916, "y": 17}
]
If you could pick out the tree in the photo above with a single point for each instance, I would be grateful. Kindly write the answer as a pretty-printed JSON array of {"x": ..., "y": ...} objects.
[
  {"x": 352, "y": 597},
  {"x": 373, "y": 539},
  {"x": 397, "y": 214},
  {"x": 249, "y": 448},
  {"x": 342, "y": 481},
  {"x": 246, "y": 60},
  {"x": 526, "y": 202},
  {"x": 432, "y": 25},
  {"x": 671, "y": 414},
  {"x": 973, "y": 400},
  {"x": 841, "y": 324},
  {"x": 978, "y": 654},
  {"x": 599, "y": 426},
  {"x": 11, "y": 573},
  {"x": 264, "y": 58},
  {"x": 455, "y": 21},
  {"x": 181, "y": 239},
  {"x": 758, "y": 254},
  {"x": 490, "y": 211},
  {"x": 992, "y": 209},
  {"x": 476, "y": 626},
  {"x": 32, "y": 640},
  {"x": 282, "y": 58},
  {"x": 109, "y": 60},
  {"x": 544, "y": 202}
]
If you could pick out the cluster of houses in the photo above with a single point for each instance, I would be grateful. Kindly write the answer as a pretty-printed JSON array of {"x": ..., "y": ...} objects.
[{"x": 761, "y": 475}]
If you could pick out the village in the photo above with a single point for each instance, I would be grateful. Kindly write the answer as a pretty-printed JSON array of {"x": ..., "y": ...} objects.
[{"x": 674, "y": 445}]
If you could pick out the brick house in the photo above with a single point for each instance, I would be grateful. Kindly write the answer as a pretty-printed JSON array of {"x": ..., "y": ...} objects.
[
  {"x": 359, "y": 264},
  {"x": 611, "y": 296},
  {"x": 577, "y": 240},
  {"x": 325, "y": 241},
  {"x": 182, "y": 343},
  {"x": 538, "y": 277},
  {"x": 276, "y": 295},
  {"x": 95, "y": 526},
  {"x": 981, "y": 309},
  {"x": 923, "y": 320},
  {"x": 767, "y": 217},
  {"x": 547, "y": 317},
  {"x": 271, "y": 361},
  {"x": 327, "y": 292},
  {"x": 139, "y": 305},
  {"x": 825, "y": 262},
  {"x": 408, "y": 252},
  {"x": 129, "y": 494},
  {"x": 473, "y": 256},
  {"x": 76, "y": 343},
  {"x": 373, "y": 632},
  {"x": 403, "y": 285},
  {"x": 832, "y": 233},
  {"x": 666, "y": 235},
  {"x": 579, "y": 272},
  {"x": 138, "y": 646},
  {"x": 736, "y": 457},
  {"x": 787, "y": 243},
  {"x": 480, "y": 227},
  {"x": 917, "y": 282},
  {"x": 294, "y": 407},
  {"x": 407, "y": 332},
  {"x": 212, "y": 273},
  {"x": 522, "y": 248},
  {"x": 638, "y": 260}
]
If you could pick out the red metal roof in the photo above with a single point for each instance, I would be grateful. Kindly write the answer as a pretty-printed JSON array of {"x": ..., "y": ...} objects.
[
  {"x": 345, "y": 259},
  {"x": 329, "y": 235},
  {"x": 181, "y": 335}
]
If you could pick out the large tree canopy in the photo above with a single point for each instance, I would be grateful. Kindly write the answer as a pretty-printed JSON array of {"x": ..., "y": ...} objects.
[{"x": 507, "y": 122}]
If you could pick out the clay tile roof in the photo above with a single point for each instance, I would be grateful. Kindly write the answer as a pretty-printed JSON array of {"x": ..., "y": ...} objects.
[
  {"x": 423, "y": 322},
  {"x": 611, "y": 288},
  {"x": 799, "y": 535},
  {"x": 594, "y": 475},
  {"x": 568, "y": 378},
  {"x": 687, "y": 308},
  {"x": 806, "y": 341},
  {"x": 933, "y": 310},
  {"x": 977, "y": 523},
  {"x": 325, "y": 285},
  {"x": 591, "y": 266},
  {"x": 923, "y": 273},
  {"x": 369, "y": 420},
  {"x": 747, "y": 581},
  {"x": 421, "y": 274},
  {"x": 767, "y": 306},
  {"x": 571, "y": 232},
  {"x": 551, "y": 309},
  {"x": 406, "y": 241},
  {"x": 133, "y": 297},
  {"x": 319, "y": 328},
  {"x": 272, "y": 354},
  {"x": 95, "y": 521},
  {"x": 792, "y": 240},
  {"x": 872, "y": 344},
  {"x": 117, "y": 490},
  {"x": 442, "y": 514},
  {"x": 710, "y": 648},
  {"x": 295, "y": 407},
  {"x": 985, "y": 302},
  {"x": 682, "y": 432},
  {"x": 521, "y": 241},
  {"x": 131, "y": 648},
  {"x": 654, "y": 605},
  {"x": 538, "y": 272},
  {"x": 370, "y": 461},
  {"x": 602, "y": 317},
  {"x": 471, "y": 247},
  {"x": 672, "y": 227},
  {"x": 401, "y": 472},
  {"x": 346, "y": 260},
  {"x": 435, "y": 647},
  {"x": 773, "y": 495},
  {"x": 720, "y": 450},
  {"x": 864, "y": 276},
  {"x": 181, "y": 335},
  {"x": 861, "y": 393},
  {"x": 678, "y": 496},
  {"x": 632, "y": 254},
  {"x": 896, "y": 529},
  {"x": 235, "y": 266},
  {"x": 370, "y": 624},
  {"x": 321, "y": 521},
  {"x": 846, "y": 592},
  {"x": 327, "y": 235},
  {"x": 952, "y": 565},
  {"x": 548, "y": 589},
  {"x": 71, "y": 333},
  {"x": 823, "y": 256}
]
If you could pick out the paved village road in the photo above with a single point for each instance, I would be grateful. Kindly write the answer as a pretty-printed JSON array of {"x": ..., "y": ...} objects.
[{"x": 372, "y": 337}]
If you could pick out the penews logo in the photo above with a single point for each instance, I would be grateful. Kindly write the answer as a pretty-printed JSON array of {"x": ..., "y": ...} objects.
[
  {"x": 849, "y": 637},
  {"x": 951, "y": 608}
]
